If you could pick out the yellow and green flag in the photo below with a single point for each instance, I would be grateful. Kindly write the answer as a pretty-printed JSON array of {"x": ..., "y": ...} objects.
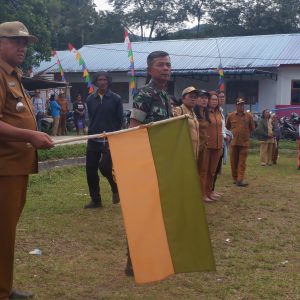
[{"x": 161, "y": 201}]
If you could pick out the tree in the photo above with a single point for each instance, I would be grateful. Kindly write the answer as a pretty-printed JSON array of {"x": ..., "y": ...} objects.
[
  {"x": 33, "y": 13},
  {"x": 108, "y": 28},
  {"x": 71, "y": 21},
  {"x": 197, "y": 9},
  {"x": 152, "y": 16}
]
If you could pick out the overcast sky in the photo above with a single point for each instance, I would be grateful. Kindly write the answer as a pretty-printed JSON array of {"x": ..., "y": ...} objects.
[{"x": 102, "y": 5}]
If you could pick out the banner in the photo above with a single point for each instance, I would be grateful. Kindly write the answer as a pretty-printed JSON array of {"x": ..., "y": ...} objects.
[
  {"x": 132, "y": 85},
  {"x": 161, "y": 201},
  {"x": 60, "y": 69},
  {"x": 81, "y": 62}
]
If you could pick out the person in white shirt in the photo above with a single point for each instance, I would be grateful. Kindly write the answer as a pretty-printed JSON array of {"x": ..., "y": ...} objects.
[{"x": 39, "y": 105}]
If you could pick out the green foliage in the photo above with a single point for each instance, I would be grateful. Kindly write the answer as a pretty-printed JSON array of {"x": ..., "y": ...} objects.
[
  {"x": 241, "y": 17},
  {"x": 155, "y": 16},
  {"x": 33, "y": 13},
  {"x": 58, "y": 22}
]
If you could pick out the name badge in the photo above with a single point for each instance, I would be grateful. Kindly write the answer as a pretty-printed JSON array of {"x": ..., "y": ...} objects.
[{"x": 11, "y": 84}]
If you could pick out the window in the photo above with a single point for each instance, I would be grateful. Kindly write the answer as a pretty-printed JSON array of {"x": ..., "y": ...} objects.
[
  {"x": 246, "y": 89},
  {"x": 295, "y": 94}
]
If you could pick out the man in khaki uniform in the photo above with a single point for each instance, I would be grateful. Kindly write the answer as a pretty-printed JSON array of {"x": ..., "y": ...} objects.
[
  {"x": 241, "y": 124},
  {"x": 18, "y": 143},
  {"x": 189, "y": 97}
]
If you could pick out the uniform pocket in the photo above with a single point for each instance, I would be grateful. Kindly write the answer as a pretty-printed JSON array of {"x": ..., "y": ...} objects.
[{"x": 233, "y": 124}]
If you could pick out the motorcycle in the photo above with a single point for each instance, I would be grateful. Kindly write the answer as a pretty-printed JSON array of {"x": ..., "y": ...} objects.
[{"x": 287, "y": 129}]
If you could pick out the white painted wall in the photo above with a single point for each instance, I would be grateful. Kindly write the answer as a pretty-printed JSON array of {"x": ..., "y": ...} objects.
[
  {"x": 267, "y": 91},
  {"x": 270, "y": 92},
  {"x": 285, "y": 77}
]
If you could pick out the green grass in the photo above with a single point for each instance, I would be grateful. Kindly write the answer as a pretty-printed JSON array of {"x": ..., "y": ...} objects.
[
  {"x": 84, "y": 251},
  {"x": 283, "y": 144},
  {"x": 74, "y": 150},
  {"x": 77, "y": 150}
]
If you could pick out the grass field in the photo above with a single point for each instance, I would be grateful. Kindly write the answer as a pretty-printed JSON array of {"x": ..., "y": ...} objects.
[
  {"x": 254, "y": 232},
  {"x": 77, "y": 150}
]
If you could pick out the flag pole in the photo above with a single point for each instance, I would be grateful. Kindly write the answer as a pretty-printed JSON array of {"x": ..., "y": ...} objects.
[{"x": 106, "y": 134}]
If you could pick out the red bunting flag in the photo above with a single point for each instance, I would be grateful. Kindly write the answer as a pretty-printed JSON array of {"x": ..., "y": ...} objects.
[
  {"x": 54, "y": 54},
  {"x": 70, "y": 46}
]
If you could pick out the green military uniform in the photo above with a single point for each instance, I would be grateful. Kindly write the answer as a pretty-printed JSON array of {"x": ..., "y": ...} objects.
[{"x": 151, "y": 104}]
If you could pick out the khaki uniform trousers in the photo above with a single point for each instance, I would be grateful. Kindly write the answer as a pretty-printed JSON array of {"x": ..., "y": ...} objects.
[
  {"x": 12, "y": 199},
  {"x": 238, "y": 157},
  {"x": 212, "y": 157},
  {"x": 201, "y": 168},
  {"x": 266, "y": 152},
  {"x": 55, "y": 126}
]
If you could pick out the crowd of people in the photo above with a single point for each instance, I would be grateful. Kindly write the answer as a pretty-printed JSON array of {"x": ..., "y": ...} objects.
[
  {"x": 20, "y": 117},
  {"x": 58, "y": 108}
]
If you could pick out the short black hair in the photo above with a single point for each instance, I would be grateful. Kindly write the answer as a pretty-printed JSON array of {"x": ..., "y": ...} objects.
[
  {"x": 154, "y": 55},
  {"x": 107, "y": 75}
]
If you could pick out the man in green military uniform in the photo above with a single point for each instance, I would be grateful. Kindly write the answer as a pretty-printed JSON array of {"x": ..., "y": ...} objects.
[{"x": 152, "y": 103}]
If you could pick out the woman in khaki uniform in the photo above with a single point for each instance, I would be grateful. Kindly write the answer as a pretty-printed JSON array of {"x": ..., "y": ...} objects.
[
  {"x": 189, "y": 97},
  {"x": 214, "y": 147},
  {"x": 266, "y": 139},
  {"x": 203, "y": 120}
]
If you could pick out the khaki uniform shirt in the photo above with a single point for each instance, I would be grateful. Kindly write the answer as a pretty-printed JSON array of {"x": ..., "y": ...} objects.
[
  {"x": 241, "y": 127},
  {"x": 193, "y": 125},
  {"x": 63, "y": 104},
  {"x": 203, "y": 124},
  {"x": 214, "y": 130},
  {"x": 16, "y": 158}
]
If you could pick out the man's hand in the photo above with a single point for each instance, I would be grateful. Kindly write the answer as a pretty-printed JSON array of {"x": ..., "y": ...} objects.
[{"x": 41, "y": 140}]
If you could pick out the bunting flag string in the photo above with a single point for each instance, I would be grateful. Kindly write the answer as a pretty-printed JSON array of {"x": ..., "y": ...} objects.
[
  {"x": 85, "y": 71},
  {"x": 221, "y": 79},
  {"x": 132, "y": 85},
  {"x": 60, "y": 69}
]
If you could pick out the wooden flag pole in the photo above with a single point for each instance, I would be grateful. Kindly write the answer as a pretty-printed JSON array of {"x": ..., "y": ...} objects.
[{"x": 105, "y": 134}]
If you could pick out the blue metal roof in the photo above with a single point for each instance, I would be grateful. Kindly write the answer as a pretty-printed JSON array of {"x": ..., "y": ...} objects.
[{"x": 261, "y": 51}]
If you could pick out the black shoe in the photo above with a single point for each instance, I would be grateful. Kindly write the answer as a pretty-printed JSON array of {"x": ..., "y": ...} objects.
[
  {"x": 241, "y": 183},
  {"x": 115, "y": 198},
  {"x": 20, "y": 295},
  {"x": 129, "y": 270},
  {"x": 234, "y": 182},
  {"x": 93, "y": 204}
]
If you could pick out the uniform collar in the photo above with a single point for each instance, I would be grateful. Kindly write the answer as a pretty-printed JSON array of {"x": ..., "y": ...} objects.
[
  {"x": 212, "y": 110},
  {"x": 238, "y": 113},
  {"x": 153, "y": 85},
  {"x": 9, "y": 69}
]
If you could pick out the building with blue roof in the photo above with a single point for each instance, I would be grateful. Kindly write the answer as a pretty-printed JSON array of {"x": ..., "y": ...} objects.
[{"x": 264, "y": 69}]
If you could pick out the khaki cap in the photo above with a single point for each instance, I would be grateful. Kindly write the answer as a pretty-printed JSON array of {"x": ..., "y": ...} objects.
[
  {"x": 240, "y": 101},
  {"x": 188, "y": 90},
  {"x": 16, "y": 29}
]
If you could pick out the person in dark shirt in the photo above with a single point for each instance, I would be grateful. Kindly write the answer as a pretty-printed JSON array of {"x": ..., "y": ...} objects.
[
  {"x": 79, "y": 114},
  {"x": 105, "y": 112}
]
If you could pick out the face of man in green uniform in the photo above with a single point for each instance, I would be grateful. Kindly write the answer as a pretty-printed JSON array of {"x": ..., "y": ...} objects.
[
  {"x": 13, "y": 50},
  {"x": 160, "y": 69}
]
